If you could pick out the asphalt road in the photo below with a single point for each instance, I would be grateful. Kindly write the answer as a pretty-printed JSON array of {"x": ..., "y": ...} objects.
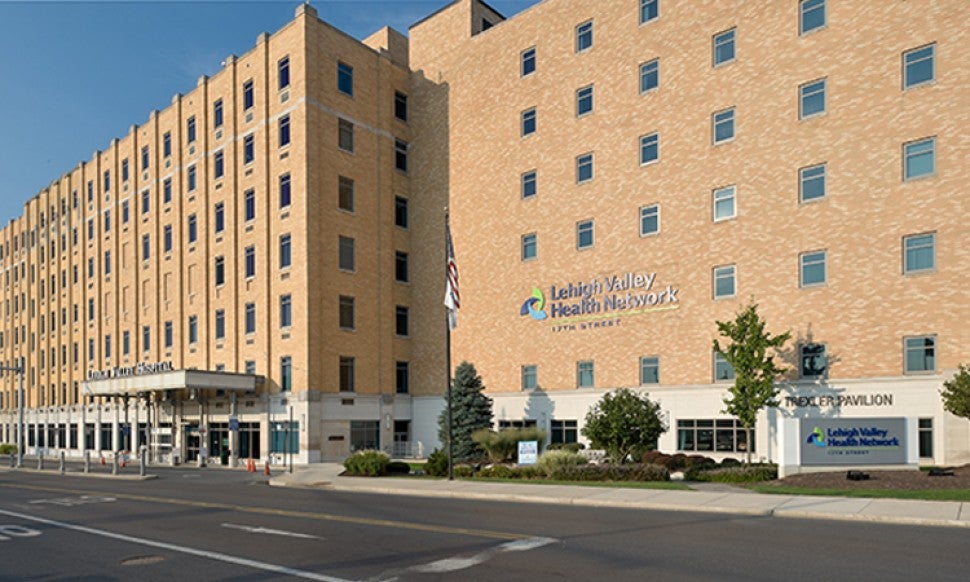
[{"x": 221, "y": 525}]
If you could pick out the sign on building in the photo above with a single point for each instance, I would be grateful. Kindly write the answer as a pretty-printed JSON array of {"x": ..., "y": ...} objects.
[{"x": 853, "y": 441}]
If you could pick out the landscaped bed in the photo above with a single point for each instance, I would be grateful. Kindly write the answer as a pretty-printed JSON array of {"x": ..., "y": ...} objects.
[{"x": 893, "y": 484}]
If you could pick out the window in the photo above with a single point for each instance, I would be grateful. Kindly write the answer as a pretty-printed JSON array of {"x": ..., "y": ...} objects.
[
  {"x": 193, "y": 329},
  {"x": 107, "y": 180},
  {"x": 220, "y": 271},
  {"x": 347, "y": 365},
  {"x": 345, "y": 78},
  {"x": 919, "y": 158},
  {"x": 190, "y": 130},
  {"x": 107, "y": 262},
  {"x": 649, "y": 75},
  {"x": 584, "y": 234},
  {"x": 220, "y": 217},
  {"x": 811, "y": 15},
  {"x": 250, "y": 318},
  {"x": 649, "y": 148},
  {"x": 926, "y": 437},
  {"x": 401, "y": 266},
  {"x": 220, "y": 326},
  {"x": 145, "y": 201},
  {"x": 192, "y": 228},
  {"x": 920, "y": 354},
  {"x": 146, "y": 248},
  {"x": 286, "y": 258},
  {"x": 146, "y": 338},
  {"x": 284, "y": 130},
  {"x": 529, "y": 121},
  {"x": 345, "y": 257},
  {"x": 250, "y": 261},
  {"x": 251, "y": 367},
  {"x": 811, "y": 99},
  {"x": 723, "y": 45},
  {"x": 529, "y": 246},
  {"x": 919, "y": 253},
  {"x": 124, "y": 215},
  {"x": 167, "y": 238},
  {"x": 529, "y": 184},
  {"x": 286, "y": 374},
  {"x": 283, "y": 72},
  {"x": 649, "y": 219},
  {"x": 345, "y": 135},
  {"x": 812, "y": 268},
  {"x": 90, "y": 191},
  {"x": 401, "y": 321},
  {"x": 649, "y": 370},
  {"x": 400, "y": 212},
  {"x": 724, "y": 281},
  {"x": 125, "y": 345},
  {"x": 724, "y": 435},
  {"x": 144, "y": 158},
  {"x": 724, "y": 203},
  {"x": 248, "y": 95},
  {"x": 584, "y": 100},
  {"x": 402, "y": 377},
  {"x": 584, "y": 374},
  {"x": 249, "y": 149},
  {"x": 217, "y": 114},
  {"x": 528, "y": 62},
  {"x": 346, "y": 312},
  {"x": 649, "y": 10},
  {"x": 918, "y": 66},
  {"x": 563, "y": 431},
  {"x": 218, "y": 164},
  {"x": 401, "y": 155},
  {"x": 190, "y": 178},
  {"x": 723, "y": 370},
  {"x": 286, "y": 311},
  {"x": 584, "y": 36},
  {"x": 169, "y": 335},
  {"x": 124, "y": 170},
  {"x": 167, "y": 190},
  {"x": 814, "y": 360},
  {"x": 723, "y": 125},
  {"x": 400, "y": 106},
  {"x": 811, "y": 183},
  {"x": 584, "y": 168},
  {"x": 530, "y": 377},
  {"x": 249, "y": 205},
  {"x": 107, "y": 221}
]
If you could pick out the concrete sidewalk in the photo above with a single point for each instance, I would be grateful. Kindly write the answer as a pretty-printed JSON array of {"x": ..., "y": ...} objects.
[{"x": 899, "y": 511}]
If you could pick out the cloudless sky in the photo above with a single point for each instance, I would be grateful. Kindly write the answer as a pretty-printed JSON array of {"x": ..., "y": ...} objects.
[{"x": 74, "y": 75}]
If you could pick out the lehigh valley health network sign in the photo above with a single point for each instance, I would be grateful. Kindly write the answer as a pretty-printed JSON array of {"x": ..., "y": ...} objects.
[{"x": 853, "y": 441}]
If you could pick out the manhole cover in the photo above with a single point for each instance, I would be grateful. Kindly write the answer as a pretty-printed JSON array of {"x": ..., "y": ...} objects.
[{"x": 142, "y": 560}]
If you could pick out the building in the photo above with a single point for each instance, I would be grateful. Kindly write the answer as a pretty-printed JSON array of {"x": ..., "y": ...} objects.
[{"x": 267, "y": 253}]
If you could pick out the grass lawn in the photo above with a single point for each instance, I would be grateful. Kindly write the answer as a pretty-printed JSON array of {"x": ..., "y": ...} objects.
[
  {"x": 924, "y": 494},
  {"x": 614, "y": 484}
]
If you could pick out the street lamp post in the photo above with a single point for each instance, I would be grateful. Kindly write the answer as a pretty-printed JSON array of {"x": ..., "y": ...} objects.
[{"x": 20, "y": 410}]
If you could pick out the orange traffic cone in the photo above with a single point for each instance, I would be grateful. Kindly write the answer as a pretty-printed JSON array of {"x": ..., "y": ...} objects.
[
  {"x": 102, "y": 460},
  {"x": 251, "y": 466},
  {"x": 266, "y": 469}
]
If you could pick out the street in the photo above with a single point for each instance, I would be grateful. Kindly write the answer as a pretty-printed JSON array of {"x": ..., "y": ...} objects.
[{"x": 217, "y": 524}]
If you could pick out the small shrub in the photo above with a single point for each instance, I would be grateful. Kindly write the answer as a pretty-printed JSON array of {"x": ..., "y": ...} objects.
[
  {"x": 7, "y": 449},
  {"x": 464, "y": 471},
  {"x": 740, "y": 474},
  {"x": 398, "y": 468},
  {"x": 729, "y": 462},
  {"x": 437, "y": 465},
  {"x": 698, "y": 461},
  {"x": 550, "y": 461},
  {"x": 510, "y": 472},
  {"x": 571, "y": 447},
  {"x": 612, "y": 472},
  {"x": 677, "y": 462},
  {"x": 367, "y": 463},
  {"x": 503, "y": 446}
]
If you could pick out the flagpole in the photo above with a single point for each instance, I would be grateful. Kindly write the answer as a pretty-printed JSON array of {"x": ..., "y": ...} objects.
[{"x": 451, "y": 436}]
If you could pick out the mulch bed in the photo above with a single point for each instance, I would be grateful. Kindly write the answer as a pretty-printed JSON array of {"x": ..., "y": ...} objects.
[{"x": 917, "y": 480}]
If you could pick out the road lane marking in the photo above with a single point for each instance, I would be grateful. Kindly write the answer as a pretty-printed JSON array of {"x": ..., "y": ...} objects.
[
  {"x": 287, "y": 513},
  {"x": 180, "y": 549},
  {"x": 464, "y": 562},
  {"x": 266, "y": 530},
  {"x": 72, "y": 501}
]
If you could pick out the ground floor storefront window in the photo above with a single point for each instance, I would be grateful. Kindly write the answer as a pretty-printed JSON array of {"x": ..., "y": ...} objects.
[
  {"x": 926, "y": 438},
  {"x": 365, "y": 435},
  {"x": 563, "y": 431},
  {"x": 712, "y": 435}
]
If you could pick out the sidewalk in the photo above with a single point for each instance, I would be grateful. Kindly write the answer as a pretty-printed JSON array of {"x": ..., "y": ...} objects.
[{"x": 899, "y": 511}]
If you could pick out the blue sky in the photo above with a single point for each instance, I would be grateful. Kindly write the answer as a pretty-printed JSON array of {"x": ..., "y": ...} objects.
[{"x": 77, "y": 74}]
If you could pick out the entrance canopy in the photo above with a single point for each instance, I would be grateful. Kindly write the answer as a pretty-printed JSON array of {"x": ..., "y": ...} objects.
[{"x": 174, "y": 380}]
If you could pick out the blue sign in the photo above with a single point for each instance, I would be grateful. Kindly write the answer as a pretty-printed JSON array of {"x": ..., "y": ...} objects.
[
  {"x": 234, "y": 423},
  {"x": 853, "y": 441}
]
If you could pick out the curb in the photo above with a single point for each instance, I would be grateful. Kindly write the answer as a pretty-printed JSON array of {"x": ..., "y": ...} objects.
[{"x": 55, "y": 473}]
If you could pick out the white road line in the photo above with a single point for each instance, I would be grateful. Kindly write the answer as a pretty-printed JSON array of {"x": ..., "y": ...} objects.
[
  {"x": 181, "y": 549},
  {"x": 266, "y": 530},
  {"x": 463, "y": 562}
]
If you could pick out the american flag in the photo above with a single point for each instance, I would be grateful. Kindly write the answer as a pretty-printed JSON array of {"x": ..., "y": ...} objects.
[{"x": 452, "y": 300}]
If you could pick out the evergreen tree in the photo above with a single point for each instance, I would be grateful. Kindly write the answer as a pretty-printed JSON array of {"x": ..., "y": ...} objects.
[
  {"x": 471, "y": 411},
  {"x": 956, "y": 393},
  {"x": 754, "y": 369},
  {"x": 624, "y": 424}
]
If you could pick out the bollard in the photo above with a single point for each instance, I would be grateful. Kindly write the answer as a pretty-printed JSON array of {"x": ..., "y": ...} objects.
[
  {"x": 114, "y": 463},
  {"x": 87, "y": 461},
  {"x": 141, "y": 463},
  {"x": 61, "y": 467},
  {"x": 40, "y": 461}
]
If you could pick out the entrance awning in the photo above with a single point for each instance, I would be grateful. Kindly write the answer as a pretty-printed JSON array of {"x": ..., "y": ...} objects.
[{"x": 175, "y": 380}]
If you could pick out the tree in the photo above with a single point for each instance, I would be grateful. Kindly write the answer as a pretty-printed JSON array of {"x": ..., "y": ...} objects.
[
  {"x": 471, "y": 410},
  {"x": 956, "y": 393},
  {"x": 754, "y": 369},
  {"x": 624, "y": 424}
]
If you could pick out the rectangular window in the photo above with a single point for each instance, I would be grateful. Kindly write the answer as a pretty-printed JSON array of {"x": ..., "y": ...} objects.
[
  {"x": 249, "y": 149},
  {"x": 251, "y": 367},
  {"x": 584, "y": 374},
  {"x": 584, "y": 234},
  {"x": 919, "y": 253},
  {"x": 285, "y": 191},
  {"x": 220, "y": 326},
  {"x": 920, "y": 354},
  {"x": 146, "y": 338},
  {"x": 107, "y": 180},
  {"x": 649, "y": 10},
  {"x": 347, "y": 369},
  {"x": 283, "y": 72},
  {"x": 190, "y": 130},
  {"x": 724, "y": 435},
  {"x": 811, "y": 15},
  {"x": 125, "y": 344},
  {"x": 107, "y": 221},
  {"x": 345, "y": 259},
  {"x": 169, "y": 335},
  {"x": 724, "y": 281},
  {"x": 584, "y": 100},
  {"x": 284, "y": 130},
  {"x": 286, "y": 257},
  {"x": 217, "y": 114},
  {"x": 90, "y": 191},
  {"x": 926, "y": 438},
  {"x": 529, "y": 121},
  {"x": 724, "y": 206},
  {"x": 919, "y": 66},
  {"x": 812, "y": 268},
  {"x": 346, "y": 312},
  {"x": 529, "y": 186},
  {"x": 250, "y": 260},
  {"x": 286, "y": 311},
  {"x": 649, "y": 370},
  {"x": 107, "y": 262},
  {"x": 250, "y": 318},
  {"x": 723, "y": 370},
  {"x": 124, "y": 214},
  {"x": 528, "y": 62},
  {"x": 649, "y": 75},
  {"x": 584, "y": 168},
  {"x": 723, "y": 47},
  {"x": 529, "y": 248},
  {"x": 167, "y": 191},
  {"x": 811, "y": 183},
  {"x": 146, "y": 248},
  {"x": 145, "y": 201},
  {"x": 249, "y": 205},
  {"x": 401, "y": 267},
  {"x": 219, "y": 217},
  {"x": 811, "y": 99},
  {"x": 286, "y": 374},
  {"x": 649, "y": 219},
  {"x": 401, "y": 155},
  {"x": 345, "y": 135},
  {"x": 193, "y": 329},
  {"x": 530, "y": 377},
  {"x": 919, "y": 158},
  {"x": 220, "y": 271},
  {"x": 400, "y": 106},
  {"x": 345, "y": 193},
  {"x": 402, "y": 377},
  {"x": 144, "y": 158},
  {"x": 649, "y": 148},
  {"x": 167, "y": 144},
  {"x": 584, "y": 36},
  {"x": 248, "y": 97},
  {"x": 192, "y": 228},
  {"x": 723, "y": 125},
  {"x": 124, "y": 170},
  {"x": 814, "y": 360},
  {"x": 167, "y": 238},
  {"x": 401, "y": 321},
  {"x": 191, "y": 179},
  {"x": 563, "y": 431},
  {"x": 345, "y": 78},
  {"x": 218, "y": 164},
  {"x": 400, "y": 212}
]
